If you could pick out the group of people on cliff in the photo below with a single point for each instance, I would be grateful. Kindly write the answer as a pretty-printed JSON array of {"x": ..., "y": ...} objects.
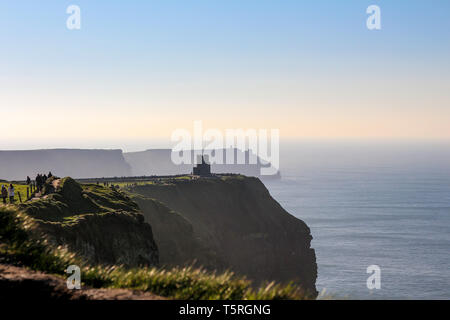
[
  {"x": 40, "y": 180},
  {"x": 8, "y": 192}
]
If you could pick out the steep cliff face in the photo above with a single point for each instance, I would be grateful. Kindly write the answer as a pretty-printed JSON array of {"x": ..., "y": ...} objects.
[
  {"x": 236, "y": 220},
  {"x": 112, "y": 238},
  {"x": 175, "y": 237},
  {"x": 101, "y": 224}
]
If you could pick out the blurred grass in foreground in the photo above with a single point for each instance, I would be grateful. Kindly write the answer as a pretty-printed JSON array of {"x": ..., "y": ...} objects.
[{"x": 19, "y": 246}]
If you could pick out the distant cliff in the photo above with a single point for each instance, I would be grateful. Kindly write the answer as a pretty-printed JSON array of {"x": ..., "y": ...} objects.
[
  {"x": 83, "y": 163},
  {"x": 229, "y": 223},
  {"x": 77, "y": 163}
]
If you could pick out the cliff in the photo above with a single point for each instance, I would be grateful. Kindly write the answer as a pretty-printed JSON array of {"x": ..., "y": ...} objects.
[
  {"x": 227, "y": 223},
  {"x": 77, "y": 163},
  {"x": 233, "y": 223},
  {"x": 101, "y": 224},
  {"x": 174, "y": 235}
]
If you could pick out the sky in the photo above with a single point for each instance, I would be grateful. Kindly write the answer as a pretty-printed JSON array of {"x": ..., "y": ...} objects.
[{"x": 138, "y": 70}]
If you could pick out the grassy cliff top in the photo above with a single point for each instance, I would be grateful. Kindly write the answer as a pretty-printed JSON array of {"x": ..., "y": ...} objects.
[{"x": 72, "y": 199}]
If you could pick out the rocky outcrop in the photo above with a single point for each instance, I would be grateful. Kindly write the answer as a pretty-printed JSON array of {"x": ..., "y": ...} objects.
[
  {"x": 112, "y": 238},
  {"x": 235, "y": 220},
  {"x": 101, "y": 224}
]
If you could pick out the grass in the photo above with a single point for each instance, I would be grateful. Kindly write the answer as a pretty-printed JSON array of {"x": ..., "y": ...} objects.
[
  {"x": 19, "y": 187},
  {"x": 132, "y": 183},
  {"x": 18, "y": 245},
  {"x": 150, "y": 181},
  {"x": 233, "y": 177},
  {"x": 74, "y": 199}
]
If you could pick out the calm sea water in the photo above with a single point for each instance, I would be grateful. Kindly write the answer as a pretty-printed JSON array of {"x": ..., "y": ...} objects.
[{"x": 396, "y": 217}]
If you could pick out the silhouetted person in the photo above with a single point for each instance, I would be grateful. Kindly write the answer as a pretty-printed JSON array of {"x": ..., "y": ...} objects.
[
  {"x": 38, "y": 182},
  {"x": 11, "y": 193},
  {"x": 44, "y": 178},
  {"x": 28, "y": 180},
  {"x": 50, "y": 174},
  {"x": 4, "y": 194}
]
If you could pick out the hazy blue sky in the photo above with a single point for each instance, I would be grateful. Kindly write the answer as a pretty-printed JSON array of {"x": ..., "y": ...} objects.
[{"x": 137, "y": 70}]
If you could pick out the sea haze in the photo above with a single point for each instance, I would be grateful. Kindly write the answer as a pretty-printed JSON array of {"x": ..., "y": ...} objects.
[{"x": 386, "y": 204}]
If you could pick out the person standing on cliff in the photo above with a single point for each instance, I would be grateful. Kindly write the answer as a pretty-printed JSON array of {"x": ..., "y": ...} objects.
[
  {"x": 38, "y": 182},
  {"x": 4, "y": 194},
  {"x": 11, "y": 193}
]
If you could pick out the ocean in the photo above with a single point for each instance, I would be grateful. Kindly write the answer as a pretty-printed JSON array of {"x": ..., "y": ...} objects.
[{"x": 385, "y": 206}]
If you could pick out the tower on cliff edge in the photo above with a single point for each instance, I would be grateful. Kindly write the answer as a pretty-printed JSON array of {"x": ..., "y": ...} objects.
[{"x": 202, "y": 168}]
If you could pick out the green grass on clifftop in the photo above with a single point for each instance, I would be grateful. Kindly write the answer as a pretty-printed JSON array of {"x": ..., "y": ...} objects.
[{"x": 73, "y": 199}]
